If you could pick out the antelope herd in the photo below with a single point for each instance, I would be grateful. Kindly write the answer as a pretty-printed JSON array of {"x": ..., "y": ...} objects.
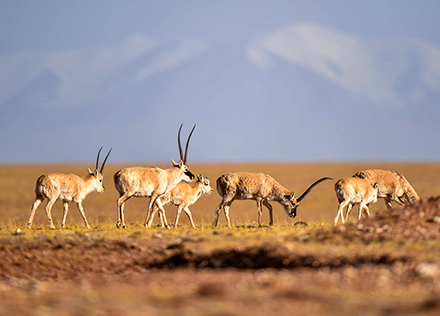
[{"x": 176, "y": 185}]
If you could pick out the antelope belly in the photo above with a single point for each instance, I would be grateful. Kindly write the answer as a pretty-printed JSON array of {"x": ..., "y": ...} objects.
[{"x": 144, "y": 192}]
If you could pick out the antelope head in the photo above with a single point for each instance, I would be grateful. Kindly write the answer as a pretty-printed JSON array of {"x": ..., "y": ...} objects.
[
  {"x": 291, "y": 203},
  {"x": 206, "y": 187},
  {"x": 182, "y": 162},
  {"x": 97, "y": 174}
]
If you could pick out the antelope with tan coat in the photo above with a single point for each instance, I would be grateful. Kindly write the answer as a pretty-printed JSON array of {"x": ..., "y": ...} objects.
[
  {"x": 392, "y": 186},
  {"x": 151, "y": 182},
  {"x": 183, "y": 195},
  {"x": 68, "y": 188},
  {"x": 351, "y": 191},
  {"x": 260, "y": 187}
]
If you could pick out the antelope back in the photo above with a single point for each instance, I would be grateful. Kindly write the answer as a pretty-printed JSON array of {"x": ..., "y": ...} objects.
[
  {"x": 139, "y": 180},
  {"x": 355, "y": 190},
  {"x": 388, "y": 181}
]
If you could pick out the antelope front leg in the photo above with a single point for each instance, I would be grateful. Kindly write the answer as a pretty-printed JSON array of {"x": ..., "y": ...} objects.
[
  {"x": 188, "y": 212},
  {"x": 349, "y": 208},
  {"x": 65, "y": 211},
  {"x": 81, "y": 211},
  {"x": 150, "y": 219},
  {"x": 260, "y": 213},
  {"x": 364, "y": 208},
  {"x": 49, "y": 210},
  {"x": 388, "y": 202},
  {"x": 179, "y": 210},
  {"x": 226, "y": 210},
  {"x": 269, "y": 207},
  {"x": 163, "y": 222},
  {"x": 150, "y": 212}
]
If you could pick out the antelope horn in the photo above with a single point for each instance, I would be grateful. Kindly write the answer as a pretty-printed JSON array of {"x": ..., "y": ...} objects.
[
  {"x": 187, "y": 144},
  {"x": 97, "y": 159},
  {"x": 180, "y": 145},
  {"x": 311, "y": 187},
  {"x": 103, "y": 164}
]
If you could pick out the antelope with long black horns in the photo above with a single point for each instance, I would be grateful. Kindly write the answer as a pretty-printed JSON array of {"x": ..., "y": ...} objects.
[
  {"x": 151, "y": 182},
  {"x": 260, "y": 187},
  {"x": 68, "y": 188}
]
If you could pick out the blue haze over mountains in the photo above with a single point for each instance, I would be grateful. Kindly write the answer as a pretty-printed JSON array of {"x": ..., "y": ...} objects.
[{"x": 305, "y": 88}]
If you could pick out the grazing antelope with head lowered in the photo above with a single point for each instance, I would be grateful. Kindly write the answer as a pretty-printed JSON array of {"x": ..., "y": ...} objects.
[
  {"x": 351, "y": 191},
  {"x": 151, "y": 182},
  {"x": 183, "y": 195},
  {"x": 391, "y": 185},
  {"x": 260, "y": 187},
  {"x": 69, "y": 188}
]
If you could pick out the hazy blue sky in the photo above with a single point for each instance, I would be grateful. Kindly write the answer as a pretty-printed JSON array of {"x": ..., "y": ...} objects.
[{"x": 263, "y": 80}]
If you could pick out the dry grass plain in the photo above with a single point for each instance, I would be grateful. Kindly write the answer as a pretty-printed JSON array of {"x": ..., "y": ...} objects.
[{"x": 387, "y": 265}]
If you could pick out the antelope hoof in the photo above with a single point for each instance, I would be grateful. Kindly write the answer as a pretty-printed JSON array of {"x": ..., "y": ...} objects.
[{"x": 118, "y": 225}]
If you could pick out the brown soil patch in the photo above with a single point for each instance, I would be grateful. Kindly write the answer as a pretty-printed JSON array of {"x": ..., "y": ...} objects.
[
  {"x": 383, "y": 265},
  {"x": 418, "y": 222}
]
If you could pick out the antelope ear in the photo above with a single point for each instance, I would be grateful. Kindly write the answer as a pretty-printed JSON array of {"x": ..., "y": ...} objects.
[
  {"x": 174, "y": 163},
  {"x": 90, "y": 172},
  {"x": 292, "y": 196}
]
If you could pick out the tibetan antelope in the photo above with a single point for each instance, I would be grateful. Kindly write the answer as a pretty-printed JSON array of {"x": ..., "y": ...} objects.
[
  {"x": 68, "y": 188},
  {"x": 351, "y": 191},
  {"x": 151, "y": 182},
  {"x": 183, "y": 195},
  {"x": 260, "y": 187},
  {"x": 392, "y": 186}
]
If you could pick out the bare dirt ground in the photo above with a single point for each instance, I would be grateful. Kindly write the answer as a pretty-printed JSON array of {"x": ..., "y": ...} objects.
[{"x": 387, "y": 264}]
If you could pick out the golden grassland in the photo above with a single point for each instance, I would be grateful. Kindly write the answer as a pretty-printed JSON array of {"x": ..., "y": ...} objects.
[
  {"x": 17, "y": 184},
  {"x": 302, "y": 265}
]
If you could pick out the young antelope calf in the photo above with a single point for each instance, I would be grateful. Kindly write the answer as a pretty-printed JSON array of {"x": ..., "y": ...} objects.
[
  {"x": 69, "y": 188},
  {"x": 183, "y": 195},
  {"x": 351, "y": 191}
]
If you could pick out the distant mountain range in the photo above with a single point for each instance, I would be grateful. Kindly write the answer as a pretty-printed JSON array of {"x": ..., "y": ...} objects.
[{"x": 287, "y": 111}]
